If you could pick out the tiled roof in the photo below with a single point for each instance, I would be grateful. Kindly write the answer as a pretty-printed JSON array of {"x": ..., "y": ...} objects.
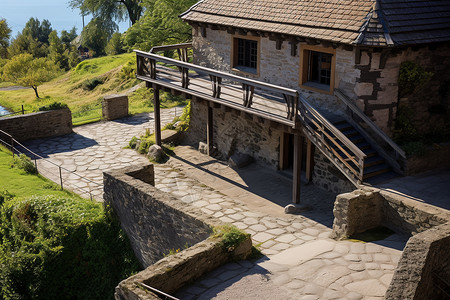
[{"x": 342, "y": 21}]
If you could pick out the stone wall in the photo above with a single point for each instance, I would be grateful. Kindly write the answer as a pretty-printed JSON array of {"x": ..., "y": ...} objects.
[
  {"x": 174, "y": 271},
  {"x": 328, "y": 177},
  {"x": 38, "y": 125},
  {"x": 436, "y": 156},
  {"x": 423, "y": 270},
  {"x": 154, "y": 221},
  {"x": 235, "y": 132},
  {"x": 364, "y": 209},
  {"x": 114, "y": 107},
  {"x": 424, "y": 267}
]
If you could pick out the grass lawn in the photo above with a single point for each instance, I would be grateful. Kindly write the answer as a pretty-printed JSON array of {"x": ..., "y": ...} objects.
[
  {"x": 23, "y": 185},
  {"x": 84, "y": 87}
]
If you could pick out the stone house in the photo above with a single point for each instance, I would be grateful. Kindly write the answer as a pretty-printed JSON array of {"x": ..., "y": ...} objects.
[{"x": 309, "y": 85}]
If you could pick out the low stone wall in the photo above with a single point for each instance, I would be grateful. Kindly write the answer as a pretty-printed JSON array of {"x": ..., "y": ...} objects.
[
  {"x": 114, "y": 107},
  {"x": 157, "y": 223},
  {"x": 173, "y": 272},
  {"x": 361, "y": 210},
  {"x": 437, "y": 156},
  {"x": 154, "y": 221},
  {"x": 38, "y": 125},
  {"x": 424, "y": 268}
]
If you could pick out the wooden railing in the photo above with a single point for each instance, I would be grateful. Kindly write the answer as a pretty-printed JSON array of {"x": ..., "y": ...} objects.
[
  {"x": 224, "y": 88},
  {"x": 354, "y": 110},
  {"x": 345, "y": 155}
]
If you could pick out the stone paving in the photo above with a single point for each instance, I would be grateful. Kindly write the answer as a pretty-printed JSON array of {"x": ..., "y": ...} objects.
[
  {"x": 93, "y": 148},
  {"x": 300, "y": 261}
]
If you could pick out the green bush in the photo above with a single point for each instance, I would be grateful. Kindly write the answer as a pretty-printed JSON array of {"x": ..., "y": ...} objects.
[
  {"x": 5, "y": 195},
  {"x": 56, "y": 248},
  {"x": 24, "y": 162},
  {"x": 90, "y": 84},
  {"x": 411, "y": 76},
  {"x": 53, "y": 106},
  {"x": 231, "y": 236},
  {"x": 145, "y": 145},
  {"x": 133, "y": 142}
]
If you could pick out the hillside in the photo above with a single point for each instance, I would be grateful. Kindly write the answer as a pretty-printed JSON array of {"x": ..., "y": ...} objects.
[{"x": 84, "y": 87}]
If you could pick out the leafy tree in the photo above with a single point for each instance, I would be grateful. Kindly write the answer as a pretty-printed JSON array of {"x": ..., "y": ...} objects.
[
  {"x": 5, "y": 32},
  {"x": 39, "y": 31},
  {"x": 25, "y": 43},
  {"x": 68, "y": 36},
  {"x": 96, "y": 35},
  {"x": 25, "y": 70},
  {"x": 110, "y": 9},
  {"x": 115, "y": 45},
  {"x": 58, "y": 53},
  {"x": 159, "y": 25}
]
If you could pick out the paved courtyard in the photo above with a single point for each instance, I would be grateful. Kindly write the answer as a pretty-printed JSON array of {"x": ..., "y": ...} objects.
[{"x": 300, "y": 261}]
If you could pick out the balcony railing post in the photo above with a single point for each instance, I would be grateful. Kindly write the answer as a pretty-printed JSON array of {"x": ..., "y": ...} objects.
[
  {"x": 184, "y": 77},
  {"x": 60, "y": 177},
  {"x": 152, "y": 69},
  {"x": 248, "y": 91}
]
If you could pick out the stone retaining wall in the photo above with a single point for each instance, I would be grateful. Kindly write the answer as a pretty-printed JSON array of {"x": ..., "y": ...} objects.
[
  {"x": 173, "y": 272},
  {"x": 157, "y": 223},
  {"x": 114, "y": 107},
  {"x": 361, "y": 210},
  {"x": 38, "y": 125},
  {"x": 424, "y": 267},
  {"x": 328, "y": 177},
  {"x": 154, "y": 221}
]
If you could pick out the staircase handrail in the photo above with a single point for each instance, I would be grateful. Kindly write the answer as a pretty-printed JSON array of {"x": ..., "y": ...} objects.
[
  {"x": 341, "y": 96},
  {"x": 334, "y": 135}
]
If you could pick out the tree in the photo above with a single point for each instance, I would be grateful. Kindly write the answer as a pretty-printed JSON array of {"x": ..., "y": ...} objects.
[
  {"x": 96, "y": 34},
  {"x": 110, "y": 9},
  {"x": 160, "y": 24},
  {"x": 5, "y": 32},
  {"x": 68, "y": 36},
  {"x": 39, "y": 31},
  {"x": 57, "y": 51},
  {"x": 25, "y": 70},
  {"x": 24, "y": 43},
  {"x": 115, "y": 45}
]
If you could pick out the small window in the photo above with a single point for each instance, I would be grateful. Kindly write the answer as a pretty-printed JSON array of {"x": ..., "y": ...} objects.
[
  {"x": 317, "y": 69},
  {"x": 245, "y": 55}
]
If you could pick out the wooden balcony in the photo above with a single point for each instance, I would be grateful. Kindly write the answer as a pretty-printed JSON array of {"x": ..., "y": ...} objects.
[{"x": 272, "y": 102}]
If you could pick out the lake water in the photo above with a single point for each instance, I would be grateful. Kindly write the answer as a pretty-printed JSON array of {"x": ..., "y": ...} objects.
[
  {"x": 58, "y": 12},
  {"x": 3, "y": 111}
]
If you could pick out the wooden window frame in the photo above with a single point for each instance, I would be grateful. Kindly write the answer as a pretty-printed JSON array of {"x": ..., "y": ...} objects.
[
  {"x": 304, "y": 67},
  {"x": 234, "y": 54}
]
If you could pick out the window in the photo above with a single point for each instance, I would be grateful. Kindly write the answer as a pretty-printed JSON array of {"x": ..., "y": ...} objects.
[
  {"x": 317, "y": 68},
  {"x": 245, "y": 55}
]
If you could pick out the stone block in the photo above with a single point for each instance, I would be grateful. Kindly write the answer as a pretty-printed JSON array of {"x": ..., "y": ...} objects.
[
  {"x": 114, "y": 107},
  {"x": 363, "y": 88},
  {"x": 170, "y": 136},
  {"x": 240, "y": 160},
  {"x": 155, "y": 152}
]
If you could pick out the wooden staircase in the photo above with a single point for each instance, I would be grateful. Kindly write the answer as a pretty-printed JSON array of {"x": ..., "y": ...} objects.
[{"x": 374, "y": 164}]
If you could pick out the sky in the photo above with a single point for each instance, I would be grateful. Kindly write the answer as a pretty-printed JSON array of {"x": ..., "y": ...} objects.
[{"x": 58, "y": 12}]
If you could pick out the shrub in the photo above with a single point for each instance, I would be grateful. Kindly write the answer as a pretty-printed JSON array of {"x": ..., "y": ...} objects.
[
  {"x": 5, "y": 195},
  {"x": 231, "y": 236},
  {"x": 90, "y": 84},
  {"x": 53, "y": 106},
  {"x": 133, "y": 142},
  {"x": 145, "y": 145},
  {"x": 411, "y": 76},
  {"x": 24, "y": 162},
  {"x": 53, "y": 246}
]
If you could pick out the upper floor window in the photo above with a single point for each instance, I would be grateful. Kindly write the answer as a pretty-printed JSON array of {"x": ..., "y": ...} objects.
[
  {"x": 245, "y": 55},
  {"x": 317, "y": 68}
]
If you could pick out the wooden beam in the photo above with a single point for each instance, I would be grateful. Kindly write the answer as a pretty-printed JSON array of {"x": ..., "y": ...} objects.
[
  {"x": 157, "y": 116},
  {"x": 296, "y": 181},
  {"x": 210, "y": 129},
  {"x": 309, "y": 160},
  {"x": 284, "y": 151}
]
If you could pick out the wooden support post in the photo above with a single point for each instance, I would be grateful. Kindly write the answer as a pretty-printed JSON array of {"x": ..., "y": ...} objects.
[
  {"x": 210, "y": 129},
  {"x": 296, "y": 182},
  {"x": 309, "y": 160},
  {"x": 157, "y": 116}
]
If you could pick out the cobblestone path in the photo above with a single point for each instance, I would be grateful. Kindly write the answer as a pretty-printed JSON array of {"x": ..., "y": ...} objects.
[{"x": 300, "y": 261}]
